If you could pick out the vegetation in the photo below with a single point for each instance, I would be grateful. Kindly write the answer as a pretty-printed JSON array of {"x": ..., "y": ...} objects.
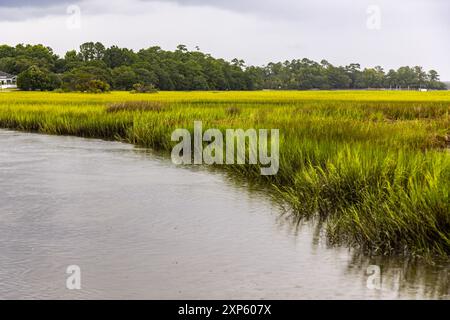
[
  {"x": 182, "y": 70},
  {"x": 36, "y": 79},
  {"x": 372, "y": 167},
  {"x": 144, "y": 88}
]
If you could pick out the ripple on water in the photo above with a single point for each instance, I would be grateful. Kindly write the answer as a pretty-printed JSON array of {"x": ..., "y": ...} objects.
[{"x": 140, "y": 227}]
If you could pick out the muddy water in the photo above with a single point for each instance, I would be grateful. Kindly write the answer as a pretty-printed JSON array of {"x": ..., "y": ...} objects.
[{"x": 141, "y": 228}]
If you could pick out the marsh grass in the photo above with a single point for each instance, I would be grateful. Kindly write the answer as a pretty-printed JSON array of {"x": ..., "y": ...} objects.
[{"x": 372, "y": 167}]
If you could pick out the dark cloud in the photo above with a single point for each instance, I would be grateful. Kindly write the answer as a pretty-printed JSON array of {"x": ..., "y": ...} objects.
[
  {"x": 30, "y": 3},
  {"x": 19, "y": 10},
  {"x": 312, "y": 9}
]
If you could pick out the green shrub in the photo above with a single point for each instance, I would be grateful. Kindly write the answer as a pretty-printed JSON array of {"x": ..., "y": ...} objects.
[
  {"x": 143, "y": 88},
  {"x": 37, "y": 79}
]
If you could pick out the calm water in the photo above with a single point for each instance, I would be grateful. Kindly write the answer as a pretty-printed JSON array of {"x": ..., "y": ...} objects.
[{"x": 139, "y": 227}]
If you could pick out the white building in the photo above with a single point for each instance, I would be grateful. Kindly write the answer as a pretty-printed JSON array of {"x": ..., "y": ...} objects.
[{"x": 7, "y": 81}]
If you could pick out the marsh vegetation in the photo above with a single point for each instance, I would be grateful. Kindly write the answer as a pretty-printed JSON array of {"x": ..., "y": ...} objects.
[{"x": 373, "y": 167}]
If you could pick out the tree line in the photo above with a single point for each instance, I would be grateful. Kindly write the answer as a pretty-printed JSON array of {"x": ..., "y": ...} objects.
[{"x": 95, "y": 68}]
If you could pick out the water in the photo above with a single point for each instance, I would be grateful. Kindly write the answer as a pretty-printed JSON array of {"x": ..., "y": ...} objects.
[{"x": 141, "y": 228}]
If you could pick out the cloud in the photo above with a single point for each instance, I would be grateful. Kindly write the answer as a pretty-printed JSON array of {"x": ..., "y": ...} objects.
[
  {"x": 412, "y": 32},
  {"x": 314, "y": 9},
  {"x": 30, "y": 3},
  {"x": 17, "y": 10},
  {"x": 291, "y": 9}
]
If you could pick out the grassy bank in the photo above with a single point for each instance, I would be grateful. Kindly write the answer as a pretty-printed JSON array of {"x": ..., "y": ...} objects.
[{"x": 373, "y": 166}]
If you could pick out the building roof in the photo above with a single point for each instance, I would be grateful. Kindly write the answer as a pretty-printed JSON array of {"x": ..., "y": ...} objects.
[{"x": 5, "y": 75}]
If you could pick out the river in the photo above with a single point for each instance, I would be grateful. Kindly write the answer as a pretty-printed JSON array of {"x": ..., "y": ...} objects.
[{"x": 140, "y": 227}]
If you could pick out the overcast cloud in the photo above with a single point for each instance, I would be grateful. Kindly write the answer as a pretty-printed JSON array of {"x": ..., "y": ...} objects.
[{"x": 411, "y": 32}]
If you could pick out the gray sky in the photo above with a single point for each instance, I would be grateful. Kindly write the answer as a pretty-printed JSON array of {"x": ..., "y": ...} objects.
[{"x": 371, "y": 32}]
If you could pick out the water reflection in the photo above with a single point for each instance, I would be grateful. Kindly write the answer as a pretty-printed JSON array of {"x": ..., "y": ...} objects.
[{"x": 401, "y": 278}]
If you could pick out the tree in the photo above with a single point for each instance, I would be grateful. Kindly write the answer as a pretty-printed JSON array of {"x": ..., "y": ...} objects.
[
  {"x": 87, "y": 51},
  {"x": 182, "y": 69},
  {"x": 256, "y": 77},
  {"x": 7, "y": 51},
  {"x": 391, "y": 80},
  {"x": 421, "y": 77},
  {"x": 80, "y": 79},
  {"x": 337, "y": 77},
  {"x": 73, "y": 59},
  {"x": 406, "y": 77},
  {"x": 145, "y": 76},
  {"x": 40, "y": 55},
  {"x": 373, "y": 77},
  {"x": 124, "y": 78},
  {"x": 355, "y": 75},
  {"x": 115, "y": 57},
  {"x": 433, "y": 75},
  {"x": 96, "y": 86},
  {"x": 433, "y": 81},
  {"x": 36, "y": 79},
  {"x": 182, "y": 48},
  {"x": 99, "y": 51},
  {"x": 142, "y": 88},
  {"x": 14, "y": 65}
]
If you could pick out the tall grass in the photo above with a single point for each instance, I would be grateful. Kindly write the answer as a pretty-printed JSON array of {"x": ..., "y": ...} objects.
[{"x": 374, "y": 167}]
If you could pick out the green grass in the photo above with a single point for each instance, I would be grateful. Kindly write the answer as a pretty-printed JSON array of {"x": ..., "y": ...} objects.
[{"x": 374, "y": 167}]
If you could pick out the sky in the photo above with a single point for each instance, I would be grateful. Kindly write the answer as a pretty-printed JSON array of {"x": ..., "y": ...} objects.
[{"x": 370, "y": 32}]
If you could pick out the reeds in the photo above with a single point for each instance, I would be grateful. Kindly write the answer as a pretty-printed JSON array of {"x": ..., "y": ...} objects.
[{"x": 374, "y": 167}]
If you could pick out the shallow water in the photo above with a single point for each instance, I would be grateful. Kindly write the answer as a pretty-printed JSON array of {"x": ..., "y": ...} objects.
[{"x": 142, "y": 228}]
